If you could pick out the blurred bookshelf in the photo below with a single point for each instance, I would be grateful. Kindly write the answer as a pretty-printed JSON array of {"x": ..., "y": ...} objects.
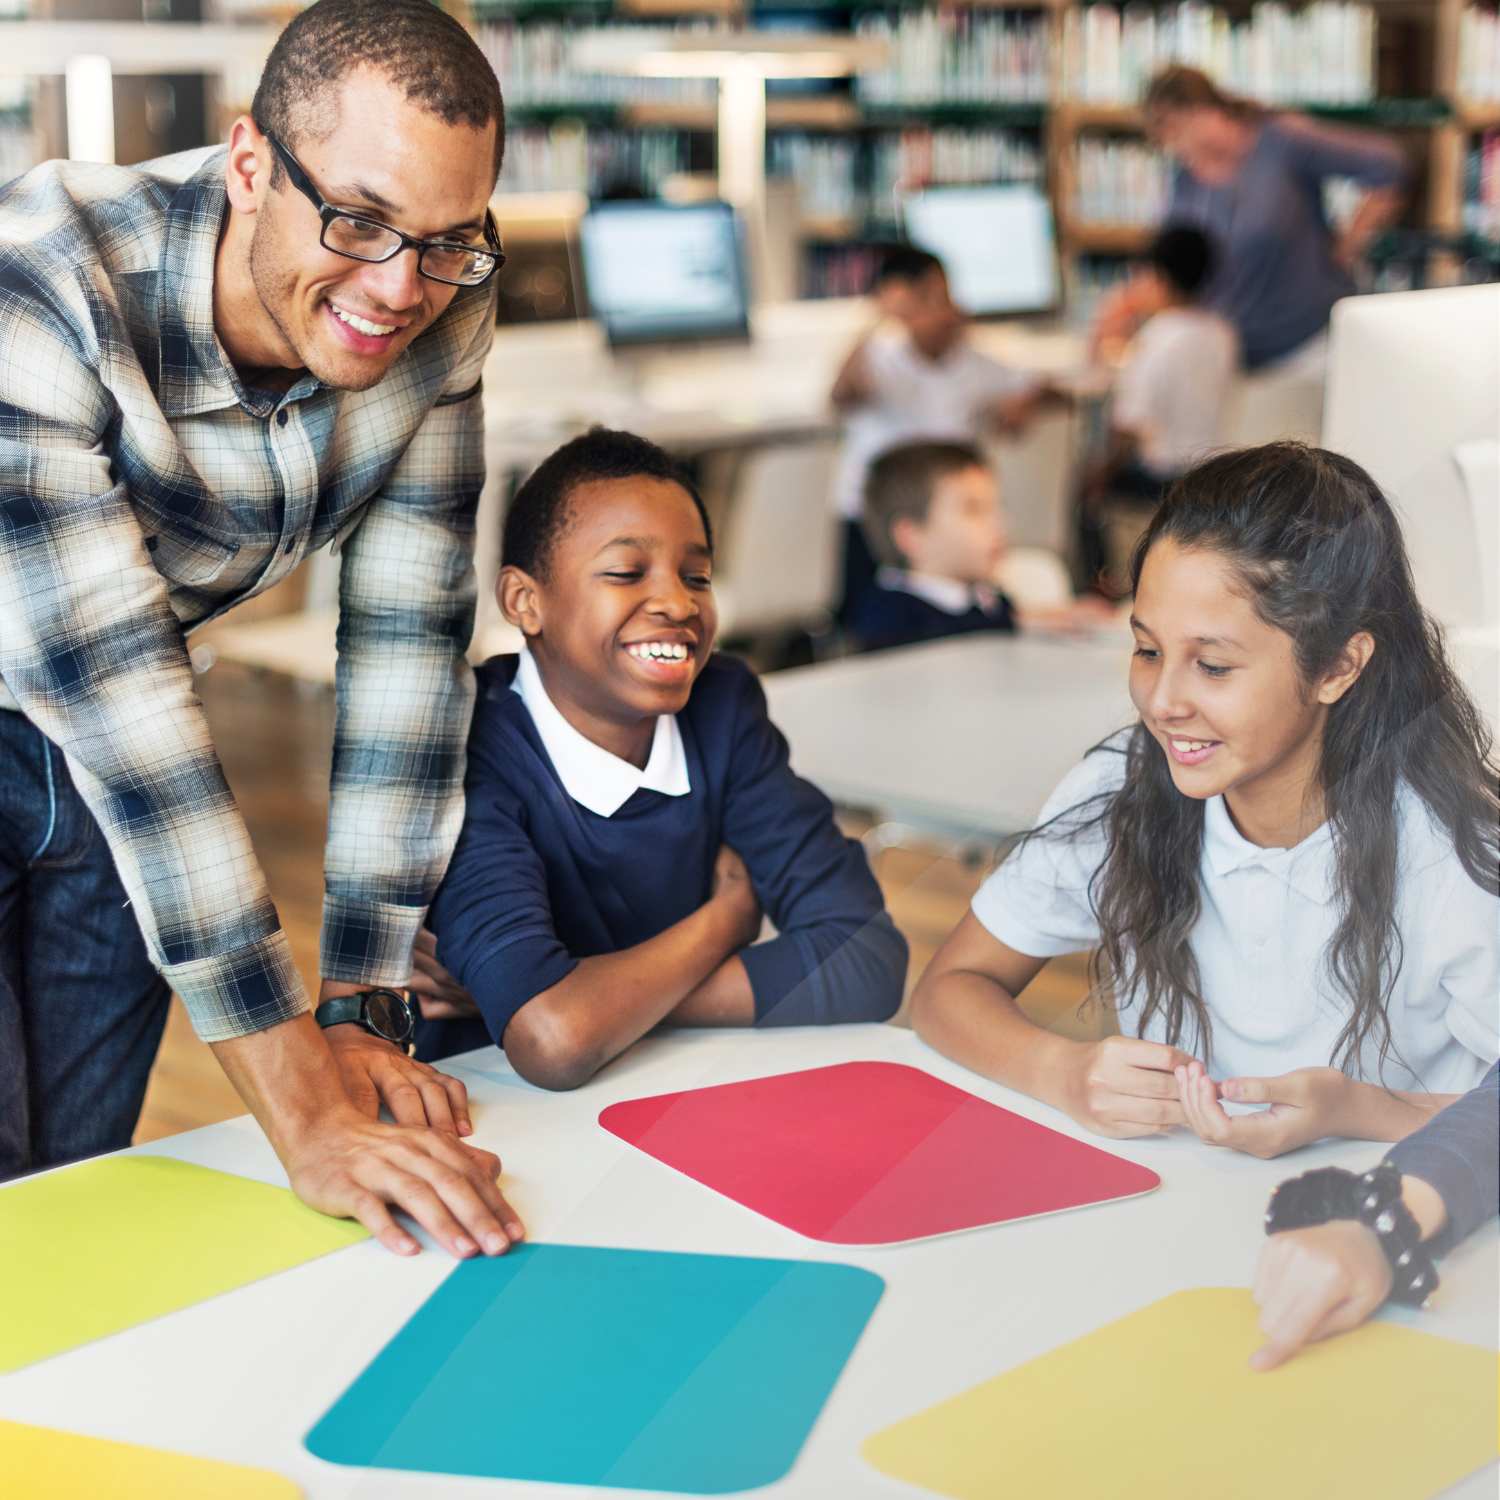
[{"x": 976, "y": 92}]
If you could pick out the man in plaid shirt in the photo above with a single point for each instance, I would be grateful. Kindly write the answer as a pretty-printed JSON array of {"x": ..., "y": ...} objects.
[{"x": 210, "y": 366}]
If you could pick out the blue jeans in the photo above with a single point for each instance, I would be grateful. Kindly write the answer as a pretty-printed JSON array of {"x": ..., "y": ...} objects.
[{"x": 81, "y": 1007}]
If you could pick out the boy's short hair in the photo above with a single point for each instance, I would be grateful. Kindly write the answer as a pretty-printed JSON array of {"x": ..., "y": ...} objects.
[
  {"x": 900, "y": 485},
  {"x": 538, "y": 514},
  {"x": 906, "y": 263},
  {"x": 1184, "y": 256}
]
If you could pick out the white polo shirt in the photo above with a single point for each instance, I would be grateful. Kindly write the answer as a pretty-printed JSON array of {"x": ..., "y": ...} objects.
[
  {"x": 1267, "y": 918},
  {"x": 917, "y": 398},
  {"x": 1170, "y": 391},
  {"x": 590, "y": 774}
]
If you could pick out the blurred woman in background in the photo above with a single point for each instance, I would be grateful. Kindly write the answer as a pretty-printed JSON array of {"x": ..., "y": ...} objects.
[{"x": 1252, "y": 181}]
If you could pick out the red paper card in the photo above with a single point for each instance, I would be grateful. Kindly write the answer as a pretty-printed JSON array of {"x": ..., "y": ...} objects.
[{"x": 871, "y": 1153}]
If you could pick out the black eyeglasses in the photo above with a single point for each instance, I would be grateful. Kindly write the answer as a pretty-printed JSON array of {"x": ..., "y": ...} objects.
[{"x": 368, "y": 239}]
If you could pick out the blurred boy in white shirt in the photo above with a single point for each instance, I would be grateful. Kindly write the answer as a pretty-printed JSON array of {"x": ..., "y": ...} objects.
[
  {"x": 1176, "y": 373},
  {"x": 924, "y": 381}
]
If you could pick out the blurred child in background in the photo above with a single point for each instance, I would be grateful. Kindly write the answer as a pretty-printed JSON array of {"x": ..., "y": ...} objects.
[
  {"x": 1169, "y": 395},
  {"x": 933, "y": 520},
  {"x": 925, "y": 381}
]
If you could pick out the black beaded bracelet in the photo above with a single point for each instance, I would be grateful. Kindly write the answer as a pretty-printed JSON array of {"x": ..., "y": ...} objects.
[{"x": 1373, "y": 1198}]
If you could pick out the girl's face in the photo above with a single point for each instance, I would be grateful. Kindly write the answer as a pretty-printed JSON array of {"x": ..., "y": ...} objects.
[{"x": 1220, "y": 691}]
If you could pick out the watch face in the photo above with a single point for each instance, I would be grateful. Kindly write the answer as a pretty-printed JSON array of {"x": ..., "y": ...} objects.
[{"x": 388, "y": 1015}]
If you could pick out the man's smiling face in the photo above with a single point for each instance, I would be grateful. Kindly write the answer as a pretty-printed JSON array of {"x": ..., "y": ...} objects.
[{"x": 386, "y": 159}]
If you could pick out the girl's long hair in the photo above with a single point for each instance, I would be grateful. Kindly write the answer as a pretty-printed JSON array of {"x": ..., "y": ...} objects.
[{"x": 1318, "y": 549}]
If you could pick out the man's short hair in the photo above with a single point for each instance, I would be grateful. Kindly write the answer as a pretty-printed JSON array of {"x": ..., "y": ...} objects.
[
  {"x": 906, "y": 263},
  {"x": 419, "y": 48},
  {"x": 1184, "y": 256},
  {"x": 539, "y": 513},
  {"x": 900, "y": 485}
]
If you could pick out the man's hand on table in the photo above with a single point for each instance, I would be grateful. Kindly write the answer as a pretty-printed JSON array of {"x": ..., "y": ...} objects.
[{"x": 349, "y": 1164}]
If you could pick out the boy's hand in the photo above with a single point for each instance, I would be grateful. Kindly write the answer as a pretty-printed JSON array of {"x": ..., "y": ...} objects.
[
  {"x": 440, "y": 995},
  {"x": 1124, "y": 1087},
  {"x": 1304, "y": 1105},
  {"x": 733, "y": 889},
  {"x": 1311, "y": 1283}
]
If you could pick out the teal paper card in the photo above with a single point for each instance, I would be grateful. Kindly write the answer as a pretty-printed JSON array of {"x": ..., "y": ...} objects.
[{"x": 695, "y": 1373}]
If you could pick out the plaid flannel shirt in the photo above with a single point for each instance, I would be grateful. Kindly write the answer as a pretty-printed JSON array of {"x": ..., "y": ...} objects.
[{"x": 145, "y": 490}]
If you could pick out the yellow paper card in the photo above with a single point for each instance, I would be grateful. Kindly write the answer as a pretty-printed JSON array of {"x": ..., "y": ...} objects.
[
  {"x": 40, "y": 1464},
  {"x": 1161, "y": 1405},
  {"x": 111, "y": 1243}
]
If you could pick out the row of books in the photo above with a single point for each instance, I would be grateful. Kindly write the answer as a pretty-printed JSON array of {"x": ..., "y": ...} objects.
[
  {"x": 953, "y": 56},
  {"x": 836, "y": 178},
  {"x": 838, "y": 270},
  {"x": 1479, "y": 55},
  {"x": 565, "y": 156},
  {"x": 1482, "y": 187},
  {"x": 825, "y": 169},
  {"x": 1119, "y": 181},
  {"x": 1323, "y": 53},
  {"x": 950, "y": 154},
  {"x": 534, "y": 62}
]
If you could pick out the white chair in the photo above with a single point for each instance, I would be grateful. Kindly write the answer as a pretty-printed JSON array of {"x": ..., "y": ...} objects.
[
  {"x": 1035, "y": 578},
  {"x": 1411, "y": 376},
  {"x": 778, "y": 553},
  {"x": 1479, "y": 464}
]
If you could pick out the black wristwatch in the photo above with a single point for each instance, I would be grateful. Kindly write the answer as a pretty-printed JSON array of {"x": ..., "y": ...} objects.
[
  {"x": 383, "y": 1013},
  {"x": 1374, "y": 1198}
]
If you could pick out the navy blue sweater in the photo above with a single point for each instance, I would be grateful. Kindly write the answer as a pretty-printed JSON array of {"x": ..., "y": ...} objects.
[
  {"x": 538, "y": 881},
  {"x": 892, "y": 617},
  {"x": 1458, "y": 1152}
]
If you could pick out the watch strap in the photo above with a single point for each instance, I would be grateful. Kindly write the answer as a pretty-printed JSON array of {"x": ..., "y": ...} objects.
[
  {"x": 341, "y": 1011},
  {"x": 1374, "y": 1199}
]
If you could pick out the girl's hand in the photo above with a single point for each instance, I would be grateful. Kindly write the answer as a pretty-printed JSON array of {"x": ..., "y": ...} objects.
[
  {"x": 1310, "y": 1283},
  {"x": 1304, "y": 1107},
  {"x": 440, "y": 995},
  {"x": 1125, "y": 1087}
]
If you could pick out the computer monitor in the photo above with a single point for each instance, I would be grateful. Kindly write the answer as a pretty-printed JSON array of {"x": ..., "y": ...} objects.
[
  {"x": 664, "y": 271},
  {"x": 996, "y": 243}
]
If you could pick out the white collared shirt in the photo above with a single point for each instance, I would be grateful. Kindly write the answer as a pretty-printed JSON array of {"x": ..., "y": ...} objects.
[
  {"x": 590, "y": 775},
  {"x": 1262, "y": 937},
  {"x": 942, "y": 400},
  {"x": 947, "y": 594}
]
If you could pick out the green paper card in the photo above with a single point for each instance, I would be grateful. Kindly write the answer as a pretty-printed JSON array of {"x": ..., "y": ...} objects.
[{"x": 96, "y": 1248}]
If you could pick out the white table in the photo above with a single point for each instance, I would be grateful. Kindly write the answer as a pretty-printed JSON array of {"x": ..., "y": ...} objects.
[
  {"x": 243, "y": 1377},
  {"x": 964, "y": 737}
]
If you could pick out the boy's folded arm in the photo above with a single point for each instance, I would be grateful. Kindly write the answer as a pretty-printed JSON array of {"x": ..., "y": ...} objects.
[
  {"x": 838, "y": 956},
  {"x": 561, "y": 1037}
]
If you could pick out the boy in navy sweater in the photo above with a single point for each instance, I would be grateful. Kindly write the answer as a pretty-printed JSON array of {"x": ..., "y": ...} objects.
[
  {"x": 932, "y": 517},
  {"x": 630, "y": 813}
]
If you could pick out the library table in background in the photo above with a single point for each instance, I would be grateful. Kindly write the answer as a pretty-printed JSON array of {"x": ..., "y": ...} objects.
[
  {"x": 963, "y": 738},
  {"x": 243, "y": 1377}
]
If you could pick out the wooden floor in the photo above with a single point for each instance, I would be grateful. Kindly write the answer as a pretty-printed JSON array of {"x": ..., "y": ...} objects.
[{"x": 275, "y": 738}]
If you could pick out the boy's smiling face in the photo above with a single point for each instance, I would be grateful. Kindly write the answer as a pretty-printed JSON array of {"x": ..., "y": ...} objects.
[{"x": 624, "y": 618}]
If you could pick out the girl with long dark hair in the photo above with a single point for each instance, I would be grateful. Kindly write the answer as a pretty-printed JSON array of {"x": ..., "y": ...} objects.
[{"x": 1288, "y": 866}]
